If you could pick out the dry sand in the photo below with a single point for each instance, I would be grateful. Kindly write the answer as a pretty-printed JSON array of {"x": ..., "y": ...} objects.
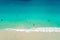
[{"x": 13, "y": 35}]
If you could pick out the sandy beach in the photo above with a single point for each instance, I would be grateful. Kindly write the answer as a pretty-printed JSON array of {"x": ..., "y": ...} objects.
[{"x": 13, "y": 35}]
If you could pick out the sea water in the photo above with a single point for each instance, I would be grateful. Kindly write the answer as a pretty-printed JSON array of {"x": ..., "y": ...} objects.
[{"x": 29, "y": 13}]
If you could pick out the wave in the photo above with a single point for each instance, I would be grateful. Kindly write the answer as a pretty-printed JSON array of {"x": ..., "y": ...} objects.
[{"x": 41, "y": 29}]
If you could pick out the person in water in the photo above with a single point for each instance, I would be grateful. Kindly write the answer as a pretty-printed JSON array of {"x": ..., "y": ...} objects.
[{"x": 1, "y": 19}]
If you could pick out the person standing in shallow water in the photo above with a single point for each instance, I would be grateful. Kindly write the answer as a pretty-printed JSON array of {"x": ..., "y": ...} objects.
[
  {"x": 33, "y": 24},
  {"x": 1, "y": 19},
  {"x": 48, "y": 20}
]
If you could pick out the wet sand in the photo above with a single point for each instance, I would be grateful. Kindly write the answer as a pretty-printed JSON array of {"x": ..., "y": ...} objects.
[{"x": 13, "y": 35}]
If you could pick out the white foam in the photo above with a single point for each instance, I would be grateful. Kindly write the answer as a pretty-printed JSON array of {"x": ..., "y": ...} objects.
[{"x": 41, "y": 29}]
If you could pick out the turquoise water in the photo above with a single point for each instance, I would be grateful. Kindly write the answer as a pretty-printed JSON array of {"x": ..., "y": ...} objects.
[{"x": 34, "y": 13}]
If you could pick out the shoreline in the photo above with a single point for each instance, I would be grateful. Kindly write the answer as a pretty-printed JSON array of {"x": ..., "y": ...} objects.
[
  {"x": 25, "y": 35},
  {"x": 40, "y": 29}
]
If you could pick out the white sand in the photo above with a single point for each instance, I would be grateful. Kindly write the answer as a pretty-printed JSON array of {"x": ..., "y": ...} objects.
[{"x": 13, "y": 35}]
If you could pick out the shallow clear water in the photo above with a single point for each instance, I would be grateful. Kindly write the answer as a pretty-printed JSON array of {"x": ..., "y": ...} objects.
[{"x": 34, "y": 13}]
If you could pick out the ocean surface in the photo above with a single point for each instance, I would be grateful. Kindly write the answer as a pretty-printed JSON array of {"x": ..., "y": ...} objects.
[{"x": 29, "y": 13}]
